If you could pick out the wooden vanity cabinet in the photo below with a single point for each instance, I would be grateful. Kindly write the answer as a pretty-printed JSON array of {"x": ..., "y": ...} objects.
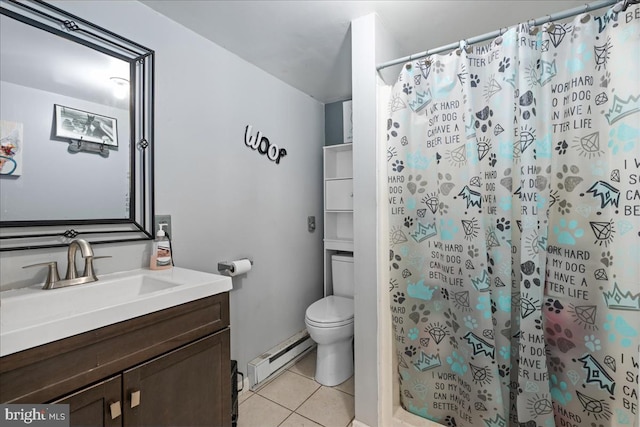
[{"x": 169, "y": 368}]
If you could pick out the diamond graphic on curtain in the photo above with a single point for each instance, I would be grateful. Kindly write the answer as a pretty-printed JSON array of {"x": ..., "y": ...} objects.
[
  {"x": 603, "y": 232},
  {"x": 600, "y": 274},
  {"x": 469, "y": 265},
  {"x": 589, "y": 145},
  {"x": 586, "y": 313},
  {"x": 527, "y": 137},
  {"x": 497, "y": 130},
  {"x": 492, "y": 239},
  {"x": 483, "y": 148},
  {"x": 432, "y": 202},
  {"x": 538, "y": 405},
  {"x": 601, "y": 98},
  {"x": 470, "y": 227},
  {"x": 597, "y": 408},
  {"x": 437, "y": 332},
  {"x": 461, "y": 300},
  {"x": 481, "y": 375},
  {"x": 398, "y": 236},
  {"x": 610, "y": 362},
  {"x": 615, "y": 175},
  {"x": 527, "y": 308},
  {"x": 457, "y": 157},
  {"x": 556, "y": 34},
  {"x": 491, "y": 88}
]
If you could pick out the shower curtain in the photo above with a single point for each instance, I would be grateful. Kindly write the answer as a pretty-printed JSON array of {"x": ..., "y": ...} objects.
[{"x": 514, "y": 206}]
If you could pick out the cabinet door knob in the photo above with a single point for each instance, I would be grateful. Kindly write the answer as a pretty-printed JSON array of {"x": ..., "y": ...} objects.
[
  {"x": 115, "y": 409},
  {"x": 135, "y": 398}
]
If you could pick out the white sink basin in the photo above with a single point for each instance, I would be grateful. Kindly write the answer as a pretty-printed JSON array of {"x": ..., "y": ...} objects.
[{"x": 32, "y": 316}]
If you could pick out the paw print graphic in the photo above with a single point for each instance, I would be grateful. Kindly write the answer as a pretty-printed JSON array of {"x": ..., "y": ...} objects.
[
  {"x": 505, "y": 352},
  {"x": 567, "y": 232},
  {"x": 503, "y": 224},
  {"x": 504, "y": 370},
  {"x": 419, "y": 313},
  {"x": 410, "y": 350},
  {"x": 484, "y": 119},
  {"x": 569, "y": 182},
  {"x": 470, "y": 322},
  {"x": 443, "y": 208},
  {"x": 556, "y": 364},
  {"x": 555, "y": 338},
  {"x": 391, "y": 128},
  {"x": 553, "y": 305},
  {"x": 394, "y": 259},
  {"x": 493, "y": 159},
  {"x": 564, "y": 207},
  {"x": 504, "y": 64},
  {"x": 538, "y": 324},
  {"x": 413, "y": 334},
  {"x": 399, "y": 297},
  {"x": 450, "y": 421},
  {"x": 605, "y": 79},
  {"x": 475, "y": 80},
  {"x": 397, "y": 166},
  {"x": 559, "y": 391},
  {"x": 472, "y": 251},
  {"x": 445, "y": 293},
  {"x": 561, "y": 147},
  {"x": 408, "y": 222},
  {"x": 452, "y": 320},
  {"x": 592, "y": 343},
  {"x": 527, "y": 105},
  {"x": 407, "y": 88},
  {"x": 438, "y": 67},
  {"x": 457, "y": 363},
  {"x": 485, "y": 396},
  {"x": 416, "y": 184},
  {"x": 607, "y": 259}
]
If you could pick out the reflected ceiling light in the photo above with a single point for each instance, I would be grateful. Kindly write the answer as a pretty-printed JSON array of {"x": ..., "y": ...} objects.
[{"x": 120, "y": 87}]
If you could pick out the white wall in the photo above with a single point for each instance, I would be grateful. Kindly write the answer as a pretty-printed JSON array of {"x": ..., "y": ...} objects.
[{"x": 226, "y": 200}]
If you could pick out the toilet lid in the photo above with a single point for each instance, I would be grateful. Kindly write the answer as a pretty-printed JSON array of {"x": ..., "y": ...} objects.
[{"x": 331, "y": 310}]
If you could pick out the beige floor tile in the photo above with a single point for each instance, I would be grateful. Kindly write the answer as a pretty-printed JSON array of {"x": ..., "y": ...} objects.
[
  {"x": 258, "y": 411},
  {"x": 329, "y": 407},
  {"x": 306, "y": 366},
  {"x": 244, "y": 395},
  {"x": 348, "y": 386},
  {"x": 296, "y": 420},
  {"x": 289, "y": 389}
]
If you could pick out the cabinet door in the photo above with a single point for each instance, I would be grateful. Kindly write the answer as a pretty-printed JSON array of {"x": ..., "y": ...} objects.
[
  {"x": 339, "y": 195},
  {"x": 190, "y": 386},
  {"x": 98, "y": 405}
]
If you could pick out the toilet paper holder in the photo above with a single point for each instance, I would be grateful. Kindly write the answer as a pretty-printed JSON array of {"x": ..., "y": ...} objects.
[{"x": 227, "y": 266}]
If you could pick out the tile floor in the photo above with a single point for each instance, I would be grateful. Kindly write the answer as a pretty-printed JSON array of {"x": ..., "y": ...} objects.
[{"x": 294, "y": 399}]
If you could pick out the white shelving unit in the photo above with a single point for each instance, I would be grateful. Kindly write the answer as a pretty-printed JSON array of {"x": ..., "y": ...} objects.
[{"x": 338, "y": 204}]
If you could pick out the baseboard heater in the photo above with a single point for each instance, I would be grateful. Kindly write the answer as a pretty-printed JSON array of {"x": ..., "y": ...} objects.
[{"x": 265, "y": 366}]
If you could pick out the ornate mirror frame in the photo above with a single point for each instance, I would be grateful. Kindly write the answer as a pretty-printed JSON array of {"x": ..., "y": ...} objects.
[{"x": 20, "y": 235}]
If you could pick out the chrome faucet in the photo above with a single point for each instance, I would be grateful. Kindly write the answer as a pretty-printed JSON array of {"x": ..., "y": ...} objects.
[{"x": 71, "y": 278}]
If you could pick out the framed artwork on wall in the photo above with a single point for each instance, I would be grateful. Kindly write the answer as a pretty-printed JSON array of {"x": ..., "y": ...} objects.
[
  {"x": 84, "y": 126},
  {"x": 11, "y": 148}
]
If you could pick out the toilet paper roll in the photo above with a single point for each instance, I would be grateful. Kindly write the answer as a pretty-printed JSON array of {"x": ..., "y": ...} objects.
[{"x": 240, "y": 266}]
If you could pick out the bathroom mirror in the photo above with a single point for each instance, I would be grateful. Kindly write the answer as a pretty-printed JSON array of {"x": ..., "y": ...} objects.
[{"x": 77, "y": 157}]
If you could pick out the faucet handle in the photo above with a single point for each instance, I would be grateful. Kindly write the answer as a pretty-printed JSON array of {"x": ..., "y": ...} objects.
[
  {"x": 88, "y": 266},
  {"x": 52, "y": 274}
]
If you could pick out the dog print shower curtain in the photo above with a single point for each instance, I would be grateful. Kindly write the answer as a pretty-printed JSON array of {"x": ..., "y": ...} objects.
[{"x": 514, "y": 204}]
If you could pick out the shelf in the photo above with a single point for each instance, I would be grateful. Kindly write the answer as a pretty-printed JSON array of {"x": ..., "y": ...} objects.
[{"x": 338, "y": 161}]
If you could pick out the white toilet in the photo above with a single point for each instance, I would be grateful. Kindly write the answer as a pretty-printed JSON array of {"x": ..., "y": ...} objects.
[{"x": 330, "y": 324}]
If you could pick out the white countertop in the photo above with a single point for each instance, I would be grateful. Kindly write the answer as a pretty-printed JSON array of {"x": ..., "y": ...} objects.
[{"x": 31, "y": 316}]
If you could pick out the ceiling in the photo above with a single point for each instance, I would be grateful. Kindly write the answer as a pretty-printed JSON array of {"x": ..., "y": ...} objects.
[{"x": 307, "y": 43}]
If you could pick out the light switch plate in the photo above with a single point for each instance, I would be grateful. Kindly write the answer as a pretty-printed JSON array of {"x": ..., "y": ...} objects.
[{"x": 311, "y": 224}]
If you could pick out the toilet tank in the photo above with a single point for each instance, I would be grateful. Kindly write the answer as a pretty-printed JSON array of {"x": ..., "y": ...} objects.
[{"x": 342, "y": 275}]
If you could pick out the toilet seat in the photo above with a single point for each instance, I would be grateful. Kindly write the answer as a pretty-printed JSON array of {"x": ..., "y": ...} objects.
[{"x": 330, "y": 312}]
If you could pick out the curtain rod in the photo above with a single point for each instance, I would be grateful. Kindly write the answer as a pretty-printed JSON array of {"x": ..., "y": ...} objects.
[{"x": 488, "y": 36}]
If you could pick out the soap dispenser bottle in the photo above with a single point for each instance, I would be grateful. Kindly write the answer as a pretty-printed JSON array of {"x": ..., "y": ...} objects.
[{"x": 161, "y": 251}]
